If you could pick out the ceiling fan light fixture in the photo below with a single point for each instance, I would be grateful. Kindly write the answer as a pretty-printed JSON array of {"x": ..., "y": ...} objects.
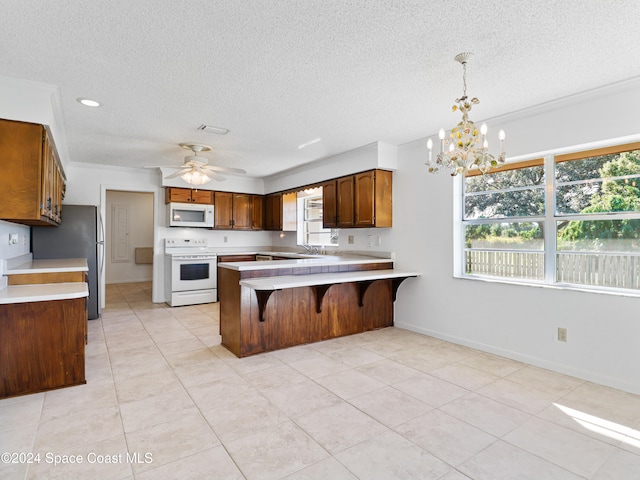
[{"x": 194, "y": 177}]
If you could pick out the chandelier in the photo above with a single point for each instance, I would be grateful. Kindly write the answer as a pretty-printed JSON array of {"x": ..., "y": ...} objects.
[{"x": 467, "y": 147}]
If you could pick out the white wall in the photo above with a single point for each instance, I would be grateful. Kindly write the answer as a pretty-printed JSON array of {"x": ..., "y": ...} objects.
[
  {"x": 8, "y": 251},
  {"x": 519, "y": 322},
  {"x": 140, "y": 234}
]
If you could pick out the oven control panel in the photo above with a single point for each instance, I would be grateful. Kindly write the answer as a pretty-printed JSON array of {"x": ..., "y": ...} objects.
[{"x": 185, "y": 242}]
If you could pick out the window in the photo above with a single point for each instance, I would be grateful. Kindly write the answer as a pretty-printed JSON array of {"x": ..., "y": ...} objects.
[
  {"x": 578, "y": 225},
  {"x": 504, "y": 222},
  {"x": 310, "y": 229}
]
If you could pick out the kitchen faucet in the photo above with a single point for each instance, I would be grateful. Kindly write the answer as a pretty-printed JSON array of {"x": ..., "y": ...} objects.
[{"x": 310, "y": 249}]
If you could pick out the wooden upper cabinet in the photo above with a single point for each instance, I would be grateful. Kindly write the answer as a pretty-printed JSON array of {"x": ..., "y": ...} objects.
[
  {"x": 346, "y": 212},
  {"x": 204, "y": 197},
  {"x": 257, "y": 212},
  {"x": 373, "y": 198},
  {"x": 223, "y": 204},
  {"x": 31, "y": 184},
  {"x": 234, "y": 211},
  {"x": 177, "y": 195},
  {"x": 241, "y": 211},
  {"x": 329, "y": 204},
  {"x": 360, "y": 200},
  {"x": 188, "y": 195},
  {"x": 273, "y": 212}
]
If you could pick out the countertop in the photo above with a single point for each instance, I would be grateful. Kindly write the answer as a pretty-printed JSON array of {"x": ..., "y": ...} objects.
[
  {"x": 43, "y": 292},
  {"x": 49, "y": 266},
  {"x": 294, "y": 281},
  {"x": 306, "y": 261}
]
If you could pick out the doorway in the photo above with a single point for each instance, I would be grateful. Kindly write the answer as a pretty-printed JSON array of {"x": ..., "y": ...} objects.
[{"x": 129, "y": 241}]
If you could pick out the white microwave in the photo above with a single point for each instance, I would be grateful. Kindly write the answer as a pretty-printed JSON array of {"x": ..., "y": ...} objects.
[{"x": 189, "y": 215}]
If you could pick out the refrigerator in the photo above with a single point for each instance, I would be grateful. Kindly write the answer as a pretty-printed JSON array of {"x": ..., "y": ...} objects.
[{"x": 79, "y": 235}]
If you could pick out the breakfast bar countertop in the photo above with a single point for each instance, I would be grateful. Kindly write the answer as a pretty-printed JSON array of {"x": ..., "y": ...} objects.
[
  {"x": 43, "y": 292},
  {"x": 294, "y": 281}
]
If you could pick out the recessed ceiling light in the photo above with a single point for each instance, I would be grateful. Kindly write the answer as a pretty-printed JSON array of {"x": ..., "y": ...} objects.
[
  {"x": 88, "y": 102},
  {"x": 304, "y": 145},
  {"x": 212, "y": 129}
]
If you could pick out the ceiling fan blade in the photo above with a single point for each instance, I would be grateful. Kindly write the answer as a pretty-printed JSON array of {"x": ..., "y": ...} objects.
[
  {"x": 163, "y": 166},
  {"x": 217, "y": 168},
  {"x": 178, "y": 173}
]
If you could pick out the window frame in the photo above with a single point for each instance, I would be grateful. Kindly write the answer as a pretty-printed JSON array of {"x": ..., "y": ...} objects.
[{"x": 549, "y": 220}]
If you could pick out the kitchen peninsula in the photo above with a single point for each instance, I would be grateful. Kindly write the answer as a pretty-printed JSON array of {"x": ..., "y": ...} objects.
[
  {"x": 43, "y": 325},
  {"x": 269, "y": 305}
]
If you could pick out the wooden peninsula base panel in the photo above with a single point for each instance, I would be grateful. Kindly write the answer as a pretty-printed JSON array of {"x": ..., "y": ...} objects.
[
  {"x": 254, "y": 321},
  {"x": 41, "y": 346}
]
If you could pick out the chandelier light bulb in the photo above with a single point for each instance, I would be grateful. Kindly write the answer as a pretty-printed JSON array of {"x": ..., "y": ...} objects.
[
  {"x": 468, "y": 147},
  {"x": 430, "y": 147}
]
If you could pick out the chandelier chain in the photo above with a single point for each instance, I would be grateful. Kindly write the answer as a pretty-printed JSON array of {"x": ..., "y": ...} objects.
[{"x": 464, "y": 79}]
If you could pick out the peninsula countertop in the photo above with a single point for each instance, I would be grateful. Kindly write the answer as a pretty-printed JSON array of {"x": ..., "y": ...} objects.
[
  {"x": 43, "y": 292},
  {"x": 49, "y": 266},
  {"x": 308, "y": 261}
]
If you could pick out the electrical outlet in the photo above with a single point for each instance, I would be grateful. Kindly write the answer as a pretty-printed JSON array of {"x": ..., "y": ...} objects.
[
  {"x": 350, "y": 239},
  {"x": 226, "y": 239},
  {"x": 13, "y": 239},
  {"x": 562, "y": 334},
  {"x": 369, "y": 240}
]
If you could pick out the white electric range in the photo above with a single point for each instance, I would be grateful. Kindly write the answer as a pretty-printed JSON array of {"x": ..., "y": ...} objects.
[{"x": 191, "y": 272}]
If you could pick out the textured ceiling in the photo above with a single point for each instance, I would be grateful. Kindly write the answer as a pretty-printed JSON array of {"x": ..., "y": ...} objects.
[{"x": 279, "y": 73}]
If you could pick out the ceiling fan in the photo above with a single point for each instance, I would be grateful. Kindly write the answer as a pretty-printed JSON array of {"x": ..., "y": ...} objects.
[{"x": 196, "y": 169}]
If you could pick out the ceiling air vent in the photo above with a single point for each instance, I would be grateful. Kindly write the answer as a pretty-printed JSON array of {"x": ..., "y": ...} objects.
[{"x": 212, "y": 129}]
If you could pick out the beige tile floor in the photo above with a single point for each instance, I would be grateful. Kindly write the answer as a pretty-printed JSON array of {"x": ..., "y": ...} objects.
[{"x": 389, "y": 404}]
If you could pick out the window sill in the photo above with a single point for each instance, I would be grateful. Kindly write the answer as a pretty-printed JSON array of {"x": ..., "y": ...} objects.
[{"x": 558, "y": 286}]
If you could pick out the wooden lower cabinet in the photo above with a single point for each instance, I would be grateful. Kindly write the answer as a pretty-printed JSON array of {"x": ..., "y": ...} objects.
[
  {"x": 236, "y": 258},
  {"x": 41, "y": 346},
  {"x": 291, "y": 317}
]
